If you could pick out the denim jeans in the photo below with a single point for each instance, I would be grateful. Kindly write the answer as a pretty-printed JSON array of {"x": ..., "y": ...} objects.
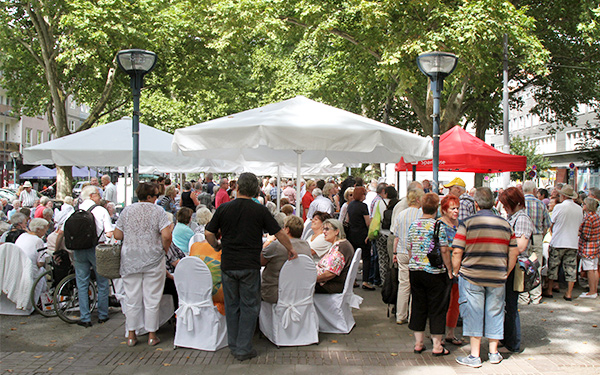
[
  {"x": 512, "y": 321},
  {"x": 83, "y": 260},
  {"x": 241, "y": 289},
  {"x": 374, "y": 277},
  {"x": 482, "y": 309}
]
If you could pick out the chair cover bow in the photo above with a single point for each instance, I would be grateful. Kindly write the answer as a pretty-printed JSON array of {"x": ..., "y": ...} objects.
[
  {"x": 291, "y": 312},
  {"x": 353, "y": 300},
  {"x": 187, "y": 311}
]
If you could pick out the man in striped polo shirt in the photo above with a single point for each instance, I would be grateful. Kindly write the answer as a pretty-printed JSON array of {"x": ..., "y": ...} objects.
[{"x": 484, "y": 253}]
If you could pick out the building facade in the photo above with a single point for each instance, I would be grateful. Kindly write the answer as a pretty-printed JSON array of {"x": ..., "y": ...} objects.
[
  {"x": 560, "y": 146},
  {"x": 19, "y": 132}
]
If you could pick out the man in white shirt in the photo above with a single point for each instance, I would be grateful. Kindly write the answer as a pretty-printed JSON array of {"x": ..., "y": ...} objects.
[
  {"x": 320, "y": 203},
  {"x": 566, "y": 219},
  {"x": 110, "y": 190},
  {"x": 28, "y": 196},
  {"x": 84, "y": 259}
]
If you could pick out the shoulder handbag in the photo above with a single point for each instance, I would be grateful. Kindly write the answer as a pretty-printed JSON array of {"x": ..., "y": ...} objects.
[
  {"x": 435, "y": 253},
  {"x": 108, "y": 260}
]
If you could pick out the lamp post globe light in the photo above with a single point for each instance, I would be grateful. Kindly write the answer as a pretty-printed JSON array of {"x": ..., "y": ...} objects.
[
  {"x": 436, "y": 66},
  {"x": 137, "y": 63}
]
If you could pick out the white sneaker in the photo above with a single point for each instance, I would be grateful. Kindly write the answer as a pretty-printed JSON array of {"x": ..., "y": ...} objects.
[{"x": 586, "y": 295}]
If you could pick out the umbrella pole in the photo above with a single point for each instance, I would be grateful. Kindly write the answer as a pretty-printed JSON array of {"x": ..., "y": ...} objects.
[
  {"x": 298, "y": 176},
  {"x": 278, "y": 187}
]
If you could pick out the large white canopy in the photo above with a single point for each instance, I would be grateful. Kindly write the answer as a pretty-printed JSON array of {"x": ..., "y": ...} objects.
[
  {"x": 111, "y": 145},
  {"x": 303, "y": 131},
  {"x": 277, "y": 132}
]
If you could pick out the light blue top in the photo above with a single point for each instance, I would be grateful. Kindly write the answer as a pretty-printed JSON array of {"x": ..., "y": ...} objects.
[{"x": 181, "y": 237}]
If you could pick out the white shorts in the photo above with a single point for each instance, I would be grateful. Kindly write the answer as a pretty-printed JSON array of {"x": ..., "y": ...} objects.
[{"x": 587, "y": 264}]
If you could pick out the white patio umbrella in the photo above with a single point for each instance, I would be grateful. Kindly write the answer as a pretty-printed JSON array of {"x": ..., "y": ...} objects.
[
  {"x": 110, "y": 145},
  {"x": 300, "y": 130}
]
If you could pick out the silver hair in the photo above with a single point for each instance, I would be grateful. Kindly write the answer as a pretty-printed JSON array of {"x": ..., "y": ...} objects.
[
  {"x": 18, "y": 218},
  {"x": 48, "y": 211},
  {"x": 484, "y": 198},
  {"x": 316, "y": 192},
  {"x": 69, "y": 200},
  {"x": 16, "y": 203},
  {"x": 591, "y": 204},
  {"x": 44, "y": 200},
  {"x": 272, "y": 207},
  {"x": 280, "y": 219},
  {"x": 528, "y": 186},
  {"x": 87, "y": 191},
  {"x": 38, "y": 223},
  {"x": 203, "y": 216}
]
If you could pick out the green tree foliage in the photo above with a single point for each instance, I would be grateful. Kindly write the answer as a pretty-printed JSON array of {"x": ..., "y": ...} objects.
[
  {"x": 570, "y": 31},
  {"x": 590, "y": 146},
  {"x": 522, "y": 146}
]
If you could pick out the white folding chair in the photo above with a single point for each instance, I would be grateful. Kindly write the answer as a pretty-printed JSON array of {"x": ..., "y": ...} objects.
[
  {"x": 335, "y": 310},
  {"x": 199, "y": 323},
  {"x": 17, "y": 274},
  {"x": 293, "y": 320},
  {"x": 197, "y": 237}
]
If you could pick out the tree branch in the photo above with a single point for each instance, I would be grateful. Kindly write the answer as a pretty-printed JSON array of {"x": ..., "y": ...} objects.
[{"x": 103, "y": 100}]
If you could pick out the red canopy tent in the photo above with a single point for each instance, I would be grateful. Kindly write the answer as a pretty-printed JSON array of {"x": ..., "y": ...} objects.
[{"x": 462, "y": 152}]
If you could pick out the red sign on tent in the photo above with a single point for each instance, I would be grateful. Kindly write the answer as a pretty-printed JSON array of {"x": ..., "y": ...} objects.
[{"x": 462, "y": 152}]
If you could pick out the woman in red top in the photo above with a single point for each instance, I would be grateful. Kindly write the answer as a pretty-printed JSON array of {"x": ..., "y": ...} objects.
[{"x": 589, "y": 245}]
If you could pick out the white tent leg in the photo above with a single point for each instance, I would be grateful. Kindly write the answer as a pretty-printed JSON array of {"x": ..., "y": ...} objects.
[
  {"x": 278, "y": 187},
  {"x": 298, "y": 177}
]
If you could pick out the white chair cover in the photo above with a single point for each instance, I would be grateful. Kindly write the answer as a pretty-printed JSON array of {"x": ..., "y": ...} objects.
[
  {"x": 197, "y": 237},
  {"x": 335, "y": 310},
  {"x": 199, "y": 323},
  {"x": 17, "y": 274},
  {"x": 166, "y": 308},
  {"x": 293, "y": 320}
]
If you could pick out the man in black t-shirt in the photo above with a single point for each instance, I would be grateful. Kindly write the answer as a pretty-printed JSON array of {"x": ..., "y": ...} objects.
[{"x": 242, "y": 223}]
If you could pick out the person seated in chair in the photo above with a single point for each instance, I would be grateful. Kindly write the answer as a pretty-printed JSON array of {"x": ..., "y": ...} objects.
[
  {"x": 332, "y": 269},
  {"x": 212, "y": 259},
  {"x": 182, "y": 232},
  {"x": 274, "y": 255}
]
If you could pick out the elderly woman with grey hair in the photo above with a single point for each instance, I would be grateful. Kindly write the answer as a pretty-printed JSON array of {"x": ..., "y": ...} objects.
[
  {"x": 18, "y": 226},
  {"x": 31, "y": 241}
]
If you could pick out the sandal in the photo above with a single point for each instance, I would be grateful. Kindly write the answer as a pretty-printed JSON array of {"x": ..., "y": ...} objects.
[
  {"x": 455, "y": 341},
  {"x": 442, "y": 353},
  {"x": 546, "y": 295},
  {"x": 419, "y": 351},
  {"x": 153, "y": 342},
  {"x": 368, "y": 287}
]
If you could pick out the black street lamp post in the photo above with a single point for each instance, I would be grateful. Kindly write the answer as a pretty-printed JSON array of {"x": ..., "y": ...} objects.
[
  {"x": 436, "y": 66},
  {"x": 136, "y": 63}
]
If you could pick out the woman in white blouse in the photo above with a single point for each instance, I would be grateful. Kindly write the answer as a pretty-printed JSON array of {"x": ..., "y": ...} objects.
[
  {"x": 318, "y": 245},
  {"x": 145, "y": 229}
]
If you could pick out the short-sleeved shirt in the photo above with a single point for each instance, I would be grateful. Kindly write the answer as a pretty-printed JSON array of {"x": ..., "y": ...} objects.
[
  {"x": 522, "y": 226},
  {"x": 102, "y": 217},
  {"x": 538, "y": 213},
  {"x": 181, "y": 237},
  {"x": 485, "y": 240},
  {"x": 338, "y": 259},
  {"x": 589, "y": 236},
  {"x": 320, "y": 203},
  {"x": 277, "y": 255},
  {"x": 467, "y": 207},
  {"x": 566, "y": 218},
  {"x": 400, "y": 226},
  {"x": 242, "y": 222},
  {"x": 28, "y": 198},
  {"x": 418, "y": 241},
  {"x": 306, "y": 201},
  {"x": 141, "y": 224}
]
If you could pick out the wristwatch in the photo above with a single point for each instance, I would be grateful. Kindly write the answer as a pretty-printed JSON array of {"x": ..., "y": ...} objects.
[{"x": 454, "y": 274}]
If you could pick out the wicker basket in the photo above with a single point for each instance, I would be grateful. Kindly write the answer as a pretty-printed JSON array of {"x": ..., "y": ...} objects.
[{"x": 108, "y": 260}]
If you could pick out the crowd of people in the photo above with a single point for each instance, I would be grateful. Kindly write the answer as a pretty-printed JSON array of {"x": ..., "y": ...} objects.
[{"x": 239, "y": 226}]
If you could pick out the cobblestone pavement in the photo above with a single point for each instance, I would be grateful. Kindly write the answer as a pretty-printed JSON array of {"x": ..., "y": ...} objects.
[{"x": 558, "y": 337}]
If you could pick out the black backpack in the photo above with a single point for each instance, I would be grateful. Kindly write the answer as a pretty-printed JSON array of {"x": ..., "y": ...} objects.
[
  {"x": 13, "y": 235},
  {"x": 386, "y": 220},
  {"x": 80, "y": 230}
]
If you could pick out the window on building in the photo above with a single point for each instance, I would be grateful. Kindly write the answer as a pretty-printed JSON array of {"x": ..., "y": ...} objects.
[
  {"x": 28, "y": 137},
  {"x": 49, "y": 136},
  {"x": 72, "y": 125},
  {"x": 40, "y": 137}
]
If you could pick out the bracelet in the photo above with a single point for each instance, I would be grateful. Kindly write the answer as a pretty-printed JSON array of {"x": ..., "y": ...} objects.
[{"x": 395, "y": 253}]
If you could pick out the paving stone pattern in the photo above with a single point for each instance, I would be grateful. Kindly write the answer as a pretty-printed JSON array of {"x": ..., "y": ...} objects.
[{"x": 558, "y": 338}]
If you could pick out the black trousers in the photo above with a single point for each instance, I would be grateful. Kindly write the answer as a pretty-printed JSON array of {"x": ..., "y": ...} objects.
[{"x": 430, "y": 298}]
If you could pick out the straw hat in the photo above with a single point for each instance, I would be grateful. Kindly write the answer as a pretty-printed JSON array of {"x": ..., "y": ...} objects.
[
  {"x": 567, "y": 191},
  {"x": 457, "y": 181},
  {"x": 27, "y": 184}
]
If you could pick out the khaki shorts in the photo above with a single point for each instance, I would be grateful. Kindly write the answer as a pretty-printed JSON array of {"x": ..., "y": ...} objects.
[
  {"x": 568, "y": 258},
  {"x": 588, "y": 264}
]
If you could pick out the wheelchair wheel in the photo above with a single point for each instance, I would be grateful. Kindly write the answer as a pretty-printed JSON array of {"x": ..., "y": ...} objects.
[
  {"x": 66, "y": 299},
  {"x": 45, "y": 303}
]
